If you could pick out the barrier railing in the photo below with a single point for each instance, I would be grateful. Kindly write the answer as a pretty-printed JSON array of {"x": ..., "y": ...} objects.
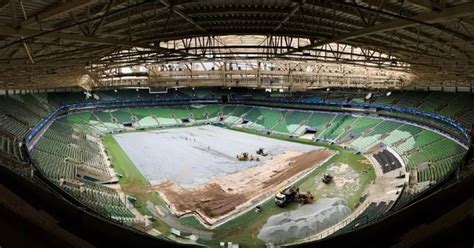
[{"x": 413, "y": 112}]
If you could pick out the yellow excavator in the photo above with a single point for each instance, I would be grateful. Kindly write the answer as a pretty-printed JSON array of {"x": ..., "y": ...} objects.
[{"x": 245, "y": 156}]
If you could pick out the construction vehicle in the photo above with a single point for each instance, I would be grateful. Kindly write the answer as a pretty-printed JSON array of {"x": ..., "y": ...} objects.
[
  {"x": 245, "y": 156},
  {"x": 292, "y": 194},
  {"x": 262, "y": 152},
  {"x": 327, "y": 179}
]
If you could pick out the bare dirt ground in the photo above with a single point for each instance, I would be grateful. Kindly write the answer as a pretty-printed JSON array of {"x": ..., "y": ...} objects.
[{"x": 226, "y": 195}]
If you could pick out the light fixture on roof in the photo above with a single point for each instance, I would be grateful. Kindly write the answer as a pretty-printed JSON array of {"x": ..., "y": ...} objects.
[
  {"x": 115, "y": 90},
  {"x": 388, "y": 93},
  {"x": 88, "y": 94},
  {"x": 328, "y": 89}
]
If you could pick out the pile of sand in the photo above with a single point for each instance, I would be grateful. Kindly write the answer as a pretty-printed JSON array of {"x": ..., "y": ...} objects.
[{"x": 305, "y": 221}]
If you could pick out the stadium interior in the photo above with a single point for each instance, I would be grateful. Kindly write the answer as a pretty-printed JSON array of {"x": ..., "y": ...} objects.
[{"x": 236, "y": 123}]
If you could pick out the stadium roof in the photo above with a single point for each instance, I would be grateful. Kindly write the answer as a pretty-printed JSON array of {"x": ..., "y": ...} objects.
[{"x": 50, "y": 43}]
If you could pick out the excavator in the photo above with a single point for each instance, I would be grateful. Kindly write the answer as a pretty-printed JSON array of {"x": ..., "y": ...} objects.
[
  {"x": 292, "y": 194},
  {"x": 327, "y": 179},
  {"x": 245, "y": 156},
  {"x": 262, "y": 152}
]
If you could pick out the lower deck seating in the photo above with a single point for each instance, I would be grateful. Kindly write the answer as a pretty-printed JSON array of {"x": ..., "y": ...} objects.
[
  {"x": 102, "y": 199},
  {"x": 319, "y": 121},
  {"x": 122, "y": 116},
  {"x": 414, "y": 144},
  {"x": 467, "y": 118},
  {"x": 387, "y": 161},
  {"x": 68, "y": 142},
  {"x": 59, "y": 153},
  {"x": 370, "y": 214}
]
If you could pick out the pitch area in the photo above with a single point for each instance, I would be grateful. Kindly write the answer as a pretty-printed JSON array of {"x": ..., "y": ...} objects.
[{"x": 244, "y": 228}]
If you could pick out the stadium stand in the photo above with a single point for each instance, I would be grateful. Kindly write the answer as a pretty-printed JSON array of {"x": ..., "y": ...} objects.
[
  {"x": 66, "y": 147},
  {"x": 319, "y": 121},
  {"x": 370, "y": 214},
  {"x": 69, "y": 154},
  {"x": 295, "y": 120},
  {"x": 13, "y": 126},
  {"x": 121, "y": 116},
  {"x": 273, "y": 119},
  {"x": 387, "y": 161}
]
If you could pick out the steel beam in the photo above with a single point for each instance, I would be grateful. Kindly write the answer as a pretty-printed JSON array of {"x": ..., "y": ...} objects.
[
  {"x": 26, "y": 32},
  {"x": 447, "y": 14},
  {"x": 4, "y": 4},
  {"x": 51, "y": 13},
  {"x": 287, "y": 18},
  {"x": 176, "y": 9}
]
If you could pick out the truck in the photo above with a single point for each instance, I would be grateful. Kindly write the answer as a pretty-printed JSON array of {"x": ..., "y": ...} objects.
[{"x": 292, "y": 194}]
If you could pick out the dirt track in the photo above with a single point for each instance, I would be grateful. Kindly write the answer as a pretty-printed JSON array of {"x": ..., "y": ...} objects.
[{"x": 228, "y": 194}]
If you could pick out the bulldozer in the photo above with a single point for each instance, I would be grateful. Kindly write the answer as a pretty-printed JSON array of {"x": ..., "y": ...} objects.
[
  {"x": 245, "y": 156},
  {"x": 262, "y": 152},
  {"x": 292, "y": 194}
]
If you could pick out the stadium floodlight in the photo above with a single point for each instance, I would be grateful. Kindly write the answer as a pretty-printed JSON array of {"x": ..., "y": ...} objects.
[{"x": 88, "y": 94}]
